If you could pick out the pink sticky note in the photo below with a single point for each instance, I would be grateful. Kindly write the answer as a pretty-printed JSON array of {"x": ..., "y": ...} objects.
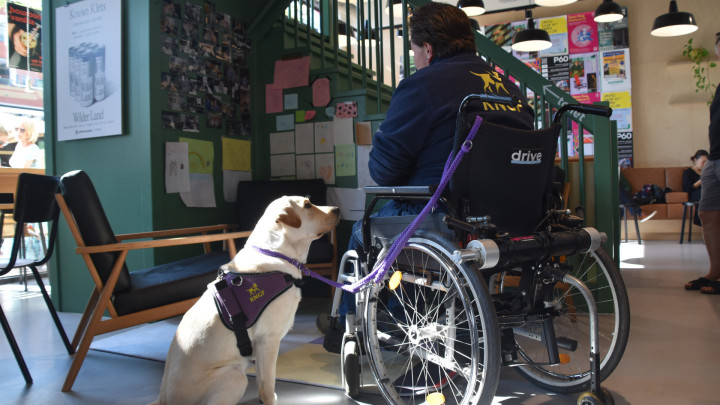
[
  {"x": 292, "y": 73},
  {"x": 321, "y": 92},
  {"x": 309, "y": 114},
  {"x": 273, "y": 99},
  {"x": 347, "y": 109}
]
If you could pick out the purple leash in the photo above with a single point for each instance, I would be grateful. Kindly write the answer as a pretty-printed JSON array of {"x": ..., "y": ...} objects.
[{"x": 382, "y": 267}]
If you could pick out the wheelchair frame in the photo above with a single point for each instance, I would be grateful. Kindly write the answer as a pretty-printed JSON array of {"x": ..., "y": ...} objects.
[{"x": 489, "y": 316}]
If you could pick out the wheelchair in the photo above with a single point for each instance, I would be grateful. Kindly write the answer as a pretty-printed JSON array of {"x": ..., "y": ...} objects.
[{"x": 503, "y": 277}]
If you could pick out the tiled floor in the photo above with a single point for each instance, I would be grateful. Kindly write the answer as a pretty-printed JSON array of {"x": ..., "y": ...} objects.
[{"x": 672, "y": 356}]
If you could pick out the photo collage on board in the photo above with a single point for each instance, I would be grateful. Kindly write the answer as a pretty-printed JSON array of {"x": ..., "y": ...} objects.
[{"x": 207, "y": 74}]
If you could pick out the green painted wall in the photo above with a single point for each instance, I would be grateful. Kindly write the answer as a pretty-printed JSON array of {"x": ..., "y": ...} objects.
[{"x": 128, "y": 169}]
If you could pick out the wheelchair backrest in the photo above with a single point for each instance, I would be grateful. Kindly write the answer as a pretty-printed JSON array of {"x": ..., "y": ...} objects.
[{"x": 507, "y": 175}]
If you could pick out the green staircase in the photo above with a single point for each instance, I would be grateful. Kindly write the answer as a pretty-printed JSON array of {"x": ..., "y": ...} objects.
[{"x": 594, "y": 180}]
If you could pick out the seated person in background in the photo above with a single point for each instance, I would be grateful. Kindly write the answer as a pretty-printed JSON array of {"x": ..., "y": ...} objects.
[
  {"x": 412, "y": 144},
  {"x": 6, "y": 149},
  {"x": 27, "y": 153},
  {"x": 691, "y": 178}
]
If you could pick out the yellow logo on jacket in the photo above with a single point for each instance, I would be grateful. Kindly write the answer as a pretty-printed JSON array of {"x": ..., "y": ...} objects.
[
  {"x": 255, "y": 292},
  {"x": 493, "y": 84}
]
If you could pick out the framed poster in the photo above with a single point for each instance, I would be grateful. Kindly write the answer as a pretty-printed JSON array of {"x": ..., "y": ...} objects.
[{"x": 88, "y": 49}]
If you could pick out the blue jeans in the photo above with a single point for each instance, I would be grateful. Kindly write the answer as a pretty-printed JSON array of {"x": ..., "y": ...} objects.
[{"x": 391, "y": 209}]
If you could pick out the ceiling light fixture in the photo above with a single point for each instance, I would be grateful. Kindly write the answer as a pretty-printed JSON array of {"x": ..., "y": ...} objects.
[
  {"x": 608, "y": 11},
  {"x": 471, "y": 7},
  {"x": 674, "y": 23},
  {"x": 531, "y": 39}
]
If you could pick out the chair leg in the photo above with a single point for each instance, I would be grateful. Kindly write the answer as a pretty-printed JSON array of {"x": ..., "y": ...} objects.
[
  {"x": 51, "y": 308},
  {"x": 85, "y": 318},
  {"x": 15, "y": 348},
  {"x": 682, "y": 227},
  {"x": 693, "y": 211},
  {"x": 637, "y": 230}
]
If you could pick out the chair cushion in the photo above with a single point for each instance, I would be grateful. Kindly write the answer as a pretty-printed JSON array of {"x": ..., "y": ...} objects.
[
  {"x": 321, "y": 250},
  {"x": 168, "y": 283},
  {"x": 83, "y": 201},
  {"x": 673, "y": 178},
  {"x": 638, "y": 177},
  {"x": 676, "y": 197}
]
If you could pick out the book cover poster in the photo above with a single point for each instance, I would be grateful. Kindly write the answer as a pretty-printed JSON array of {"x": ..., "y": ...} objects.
[
  {"x": 558, "y": 30},
  {"x": 583, "y": 73},
  {"x": 582, "y": 33},
  {"x": 24, "y": 29},
  {"x": 88, "y": 44}
]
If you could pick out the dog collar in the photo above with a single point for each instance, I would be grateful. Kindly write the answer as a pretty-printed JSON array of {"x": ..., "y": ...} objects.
[{"x": 294, "y": 262}]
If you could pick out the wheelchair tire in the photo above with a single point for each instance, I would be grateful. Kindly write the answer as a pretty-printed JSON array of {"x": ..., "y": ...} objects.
[
  {"x": 599, "y": 272},
  {"x": 351, "y": 368},
  {"x": 436, "y": 333}
]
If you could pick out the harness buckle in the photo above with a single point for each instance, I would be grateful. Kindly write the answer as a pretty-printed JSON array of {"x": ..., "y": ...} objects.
[{"x": 237, "y": 281}]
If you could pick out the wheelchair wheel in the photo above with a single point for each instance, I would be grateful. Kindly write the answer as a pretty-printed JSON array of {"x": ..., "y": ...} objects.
[
  {"x": 434, "y": 337},
  {"x": 598, "y": 271}
]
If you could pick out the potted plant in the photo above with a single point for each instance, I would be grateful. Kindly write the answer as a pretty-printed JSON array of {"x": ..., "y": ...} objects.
[{"x": 701, "y": 68}]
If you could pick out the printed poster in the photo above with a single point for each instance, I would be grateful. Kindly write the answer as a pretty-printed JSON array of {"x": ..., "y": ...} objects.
[
  {"x": 583, "y": 73},
  {"x": 557, "y": 70},
  {"x": 24, "y": 49},
  {"x": 615, "y": 71},
  {"x": 88, "y": 44},
  {"x": 582, "y": 33},
  {"x": 558, "y": 30},
  {"x": 621, "y": 103},
  {"x": 614, "y": 35}
]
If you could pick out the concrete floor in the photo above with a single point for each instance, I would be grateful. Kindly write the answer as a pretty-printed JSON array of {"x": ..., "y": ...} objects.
[{"x": 672, "y": 356}]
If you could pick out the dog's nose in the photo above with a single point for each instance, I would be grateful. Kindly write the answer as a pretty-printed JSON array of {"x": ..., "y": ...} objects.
[{"x": 336, "y": 210}]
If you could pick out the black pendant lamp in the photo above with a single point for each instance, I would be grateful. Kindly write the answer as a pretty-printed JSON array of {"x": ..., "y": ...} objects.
[
  {"x": 608, "y": 11},
  {"x": 471, "y": 7},
  {"x": 674, "y": 23},
  {"x": 531, "y": 39}
]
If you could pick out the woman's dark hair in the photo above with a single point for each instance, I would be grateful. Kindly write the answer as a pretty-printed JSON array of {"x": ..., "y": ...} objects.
[
  {"x": 445, "y": 27},
  {"x": 698, "y": 154}
]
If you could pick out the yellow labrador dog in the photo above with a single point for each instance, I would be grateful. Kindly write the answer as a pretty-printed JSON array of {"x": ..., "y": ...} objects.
[{"x": 204, "y": 364}]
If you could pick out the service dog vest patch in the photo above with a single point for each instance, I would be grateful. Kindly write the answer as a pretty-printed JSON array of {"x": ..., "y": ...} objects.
[{"x": 241, "y": 298}]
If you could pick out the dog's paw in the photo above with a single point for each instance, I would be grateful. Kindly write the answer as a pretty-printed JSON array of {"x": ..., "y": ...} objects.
[{"x": 274, "y": 400}]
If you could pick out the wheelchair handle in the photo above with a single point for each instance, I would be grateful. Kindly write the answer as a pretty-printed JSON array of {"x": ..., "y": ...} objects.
[
  {"x": 489, "y": 98},
  {"x": 489, "y": 253},
  {"x": 593, "y": 109}
]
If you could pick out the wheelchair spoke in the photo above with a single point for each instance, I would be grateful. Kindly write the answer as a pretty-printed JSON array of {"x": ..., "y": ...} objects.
[{"x": 429, "y": 334}]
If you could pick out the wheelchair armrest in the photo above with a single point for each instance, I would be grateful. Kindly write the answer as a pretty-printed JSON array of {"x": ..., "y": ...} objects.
[{"x": 401, "y": 190}]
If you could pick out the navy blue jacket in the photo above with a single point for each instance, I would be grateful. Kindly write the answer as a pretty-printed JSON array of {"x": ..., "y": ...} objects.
[{"x": 413, "y": 143}]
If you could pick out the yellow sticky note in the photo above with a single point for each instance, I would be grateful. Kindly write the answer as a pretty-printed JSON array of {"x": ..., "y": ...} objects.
[
  {"x": 555, "y": 25},
  {"x": 300, "y": 116},
  {"x": 201, "y": 155},
  {"x": 236, "y": 154},
  {"x": 619, "y": 99}
]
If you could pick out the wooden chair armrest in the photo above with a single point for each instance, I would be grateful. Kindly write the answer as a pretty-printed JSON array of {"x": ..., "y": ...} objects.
[
  {"x": 173, "y": 232},
  {"x": 156, "y": 243}
]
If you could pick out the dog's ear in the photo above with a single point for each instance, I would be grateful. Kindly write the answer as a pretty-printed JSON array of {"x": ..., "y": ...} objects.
[{"x": 290, "y": 218}]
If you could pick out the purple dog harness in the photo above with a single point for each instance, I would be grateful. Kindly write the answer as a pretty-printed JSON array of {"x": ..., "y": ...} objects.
[{"x": 241, "y": 298}]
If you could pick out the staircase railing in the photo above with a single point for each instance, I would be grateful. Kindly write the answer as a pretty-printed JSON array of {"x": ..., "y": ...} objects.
[{"x": 382, "y": 58}]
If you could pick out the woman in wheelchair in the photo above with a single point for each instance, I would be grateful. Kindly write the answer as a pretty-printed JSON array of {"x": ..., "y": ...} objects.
[
  {"x": 465, "y": 296},
  {"x": 416, "y": 137}
]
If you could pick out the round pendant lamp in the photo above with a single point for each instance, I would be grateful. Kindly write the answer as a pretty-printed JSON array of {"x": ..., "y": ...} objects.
[
  {"x": 608, "y": 11},
  {"x": 674, "y": 23},
  {"x": 471, "y": 7},
  {"x": 531, "y": 39}
]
